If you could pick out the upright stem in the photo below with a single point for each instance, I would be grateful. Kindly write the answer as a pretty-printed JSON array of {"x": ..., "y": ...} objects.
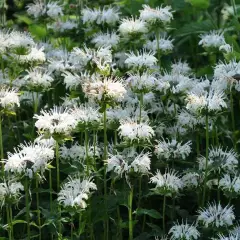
[
  {"x": 105, "y": 156},
  {"x": 38, "y": 210},
  {"x": 139, "y": 192},
  {"x": 119, "y": 223},
  {"x": 72, "y": 228},
  {"x": 158, "y": 49},
  {"x": 130, "y": 221},
  {"x": 233, "y": 120},
  {"x": 234, "y": 7},
  {"x": 141, "y": 107},
  {"x": 164, "y": 211},
  {"x": 206, "y": 165},
  {"x": 27, "y": 207},
  {"x": 58, "y": 167},
  {"x": 50, "y": 189},
  {"x": 79, "y": 224},
  {"x": 9, "y": 222},
  {"x": 197, "y": 142},
  {"x": 86, "y": 150}
]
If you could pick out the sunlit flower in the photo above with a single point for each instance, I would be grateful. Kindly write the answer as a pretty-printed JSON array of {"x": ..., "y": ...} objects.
[
  {"x": 105, "y": 39},
  {"x": 214, "y": 39},
  {"x": 9, "y": 98},
  {"x": 165, "y": 45},
  {"x": 54, "y": 10},
  {"x": 36, "y": 9}
]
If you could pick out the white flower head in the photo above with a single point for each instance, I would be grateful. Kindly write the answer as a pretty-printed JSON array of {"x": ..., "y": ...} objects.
[
  {"x": 36, "y": 9},
  {"x": 75, "y": 192},
  {"x": 10, "y": 192},
  {"x": 167, "y": 183},
  {"x": 165, "y": 45},
  {"x": 181, "y": 68},
  {"x": 117, "y": 164},
  {"x": 172, "y": 149},
  {"x": 184, "y": 231},
  {"x": 9, "y": 98},
  {"x": 191, "y": 180},
  {"x": 220, "y": 160},
  {"x": 230, "y": 184},
  {"x": 106, "y": 39},
  {"x": 141, "y": 164},
  {"x": 142, "y": 59},
  {"x": 214, "y": 39},
  {"x": 161, "y": 15},
  {"x": 230, "y": 236},
  {"x": 133, "y": 131},
  {"x": 55, "y": 121},
  {"x": 107, "y": 90},
  {"x": 54, "y": 10},
  {"x": 37, "y": 77},
  {"x": 144, "y": 82},
  {"x": 130, "y": 27},
  {"x": 215, "y": 215}
]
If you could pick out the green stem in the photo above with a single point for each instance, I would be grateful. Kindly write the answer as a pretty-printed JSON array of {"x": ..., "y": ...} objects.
[
  {"x": 158, "y": 49},
  {"x": 27, "y": 207},
  {"x": 58, "y": 167},
  {"x": 86, "y": 150},
  {"x": 105, "y": 156},
  {"x": 50, "y": 189},
  {"x": 198, "y": 145},
  {"x": 139, "y": 193},
  {"x": 206, "y": 165},
  {"x": 130, "y": 221},
  {"x": 164, "y": 210},
  {"x": 233, "y": 120},
  {"x": 38, "y": 210},
  {"x": 141, "y": 107},
  {"x": 234, "y": 7},
  {"x": 218, "y": 190},
  {"x": 79, "y": 224},
  {"x": 144, "y": 222},
  {"x": 9, "y": 222},
  {"x": 72, "y": 228}
]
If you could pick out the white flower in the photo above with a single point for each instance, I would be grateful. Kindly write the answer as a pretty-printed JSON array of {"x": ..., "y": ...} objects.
[
  {"x": 86, "y": 115},
  {"x": 105, "y": 39},
  {"x": 133, "y": 131},
  {"x": 105, "y": 16},
  {"x": 55, "y": 121},
  {"x": 37, "y": 77},
  {"x": 191, "y": 180},
  {"x": 169, "y": 182},
  {"x": 107, "y": 90},
  {"x": 165, "y": 45},
  {"x": 9, "y": 98},
  {"x": 54, "y": 10},
  {"x": 77, "y": 152},
  {"x": 214, "y": 39},
  {"x": 61, "y": 26},
  {"x": 132, "y": 27},
  {"x": 211, "y": 101},
  {"x": 71, "y": 80},
  {"x": 141, "y": 59},
  {"x": 220, "y": 160},
  {"x": 144, "y": 82},
  {"x": 181, "y": 68},
  {"x": 75, "y": 192},
  {"x": 36, "y": 9},
  {"x": 20, "y": 39},
  {"x": 227, "y": 74},
  {"x": 159, "y": 14},
  {"x": 178, "y": 83},
  {"x": 10, "y": 192},
  {"x": 4, "y": 36},
  {"x": 172, "y": 149},
  {"x": 226, "y": 48},
  {"x": 141, "y": 164},
  {"x": 230, "y": 184},
  {"x": 231, "y": 236},
  {"x": 184, "y": 232},
  {"x": 29, "y": 158},
  {"x": 35, "y": 55},
  {"x": 216, "y": 216},
  {"x": 117, "y": 164}
]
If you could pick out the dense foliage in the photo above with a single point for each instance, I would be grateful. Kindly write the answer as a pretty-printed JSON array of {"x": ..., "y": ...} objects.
[{"x": 119, "y": 119}]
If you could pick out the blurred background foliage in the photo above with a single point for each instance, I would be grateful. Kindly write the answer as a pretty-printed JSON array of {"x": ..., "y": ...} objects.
[{"x": 191, "y": 18}]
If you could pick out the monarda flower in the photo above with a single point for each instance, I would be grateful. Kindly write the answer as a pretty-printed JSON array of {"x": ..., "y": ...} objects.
[
  {"x": 214, "y": 215},
  {"x": 75, "y": 192}
]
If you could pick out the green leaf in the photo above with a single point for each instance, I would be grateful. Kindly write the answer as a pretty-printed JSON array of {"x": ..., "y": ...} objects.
[
  {"x": 150, "y": 212},
  {"x": 38, "y": 31},
  {"x": 18, "y": 221},
  {"x": 201, "y": 4}
]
